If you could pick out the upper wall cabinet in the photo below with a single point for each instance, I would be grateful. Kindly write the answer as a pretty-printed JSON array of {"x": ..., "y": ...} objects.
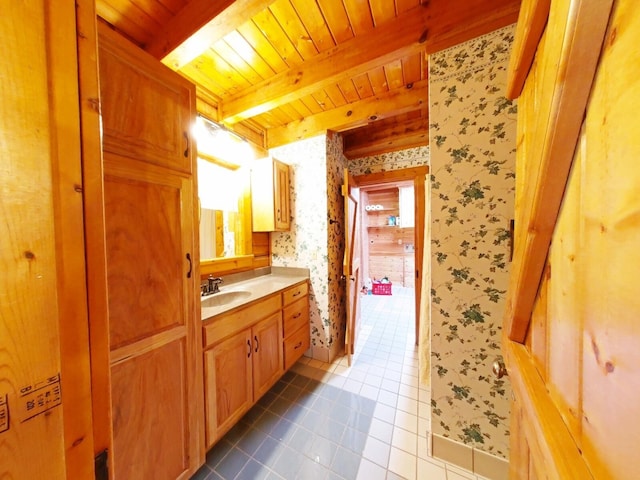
[
  {"x": 145, "y": 115},
  {"x": 270, "y": 196}
]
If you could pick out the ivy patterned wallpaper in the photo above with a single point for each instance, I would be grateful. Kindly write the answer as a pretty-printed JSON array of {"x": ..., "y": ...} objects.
[
  {"x": 305, "y": 245},
  {"x": 472, "y": 137},
  {"x": 411, "y": 157},
  {"x": 317, "y": 171}
]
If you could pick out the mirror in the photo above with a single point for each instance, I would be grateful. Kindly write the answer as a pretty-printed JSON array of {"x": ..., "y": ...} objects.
[
  {"x": 224, "y": 190},
  {"x": 225, "y": 220}
]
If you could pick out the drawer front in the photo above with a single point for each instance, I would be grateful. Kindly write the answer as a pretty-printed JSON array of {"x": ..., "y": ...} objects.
[
  {"x": 292, "y": 294},
  {"x": 295, "y": 316},
  {"x": 227, "y": 324},
  {"x": 296, "y": 345}
]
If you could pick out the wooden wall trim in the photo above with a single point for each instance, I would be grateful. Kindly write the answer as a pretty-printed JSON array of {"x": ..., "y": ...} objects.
[
  {"x": 574, "y": 73},
  {"x": 531, "y": 22},
  {"x": 551, "y": 445},
  {"x": 95, "y": 248}
]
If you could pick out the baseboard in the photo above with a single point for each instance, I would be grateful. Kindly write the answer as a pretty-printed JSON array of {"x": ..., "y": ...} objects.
[{"x": 472, "y": 459}]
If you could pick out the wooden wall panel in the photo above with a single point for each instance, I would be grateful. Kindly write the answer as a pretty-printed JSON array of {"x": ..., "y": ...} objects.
[
  {"x": 538, "y": 331},
  {"x": 565, "y": 308},
  {"x": 591, "y": 303},
  {"x": 610, "y": 202}
]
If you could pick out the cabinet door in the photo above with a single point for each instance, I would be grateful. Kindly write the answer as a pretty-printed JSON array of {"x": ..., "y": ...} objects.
[
  {"x": 228, "y": 384},
  {"x": 281, "y": 193},
  {"x": 149, "y": 231},
  {"x": 267, "y": 349},
  {"x": 156, "y": 367},
  {"x": 146, "y": 108}
]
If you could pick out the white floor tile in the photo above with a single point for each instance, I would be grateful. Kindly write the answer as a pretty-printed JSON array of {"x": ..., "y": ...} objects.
[
  {"x": 403, "y": 463},
  {"x": 405, "y": 440},
  {"x": 406, "y": 421},
  {"x": 381, "y": 430},
  {"x": 370, "y": 471},
  {"x": 430, "y": 471},
  {"x": 377, "y": 451}
]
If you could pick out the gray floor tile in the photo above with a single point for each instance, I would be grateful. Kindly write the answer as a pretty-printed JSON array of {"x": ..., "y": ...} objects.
[
  {"x": 269, "y": 452},
  {"x": 301, "y": 440},
  {"x": 288, "y": 463},
  {"x": 253, "y": 470},
  {"x": 322, "y": 451},
  {"x": 346, "y": 463},
  {"x": 251, "y": 441},
  {"x": 231, "y": 464}
]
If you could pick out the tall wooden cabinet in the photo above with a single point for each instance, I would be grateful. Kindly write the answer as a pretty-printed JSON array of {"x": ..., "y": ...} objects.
[
  {"x": 154, "y": 322},
  {"x": 270, "y": 202}
]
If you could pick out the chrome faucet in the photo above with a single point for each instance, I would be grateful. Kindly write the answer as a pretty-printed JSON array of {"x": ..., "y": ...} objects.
[{"x": 214, "y": 284}]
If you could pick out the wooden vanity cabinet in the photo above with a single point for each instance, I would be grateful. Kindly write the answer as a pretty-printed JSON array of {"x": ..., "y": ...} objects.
[
  {"x": 295, "y": 324},
  {"x": 242, "y": 360},
  {"x": 270, "y": 202}
]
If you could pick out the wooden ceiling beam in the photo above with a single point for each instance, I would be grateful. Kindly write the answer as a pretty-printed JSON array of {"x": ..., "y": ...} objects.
[
  {"x": 198, "y": 25},
  {"x": 427, "y": 28},
  {"x": 374, "y": 140},
  {"x": 357, "y": 114}
]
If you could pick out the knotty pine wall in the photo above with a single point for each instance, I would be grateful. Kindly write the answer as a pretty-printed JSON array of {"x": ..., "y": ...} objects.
[{"x": 384, "y": 244}]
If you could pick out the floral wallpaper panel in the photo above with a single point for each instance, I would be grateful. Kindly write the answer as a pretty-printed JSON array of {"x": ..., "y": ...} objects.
[
  {"x": 472, "y": 139},
  {"x": 305, "y": 245}
]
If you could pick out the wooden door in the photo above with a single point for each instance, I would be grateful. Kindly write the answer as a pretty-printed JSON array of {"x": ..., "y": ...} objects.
[
  {"x": 351, "y": 264},
  {"x": 267, "y": 354},
  {"x": 154, "y": 324},
  {"x": 571, "y": 333},
  {"x": 228, "y": 383},
  {"x": 45, "y": 389}
]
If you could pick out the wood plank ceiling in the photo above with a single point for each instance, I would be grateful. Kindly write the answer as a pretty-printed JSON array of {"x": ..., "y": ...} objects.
[{"x": 277, "y": 71}]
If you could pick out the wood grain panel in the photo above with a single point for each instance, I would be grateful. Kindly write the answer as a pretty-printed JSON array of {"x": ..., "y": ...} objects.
[
  {"x": 272, "y": 30},
  {"x": 140, "y": 421},
  {"x": 295, "y": 346},
  {"x": 292, "y": 294},
  {"x": 360, "y": 17},
  {"x": 611, "y": 215},
  {"x": 295, "y": 316},
  {"x": 266, "y": 341},
  {"x": 569, "y": 52},
  {"x": 335, "y": 15},
  {"x": 317, "y": 29},
  {"x": 228, "y": 324},
  {"x": 143, "y": 225},
  {"x": 565, "y": 308},
  {"x": 41, "y": 247},
  {"x": 146, "y": 113},
  {"x": 283, "y": 11},
  {"x": 228, "y": 384},
  {"x": 538, "y": 334}
]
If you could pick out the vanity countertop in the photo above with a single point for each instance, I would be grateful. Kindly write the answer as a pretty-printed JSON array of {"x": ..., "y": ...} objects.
[{"x": 257, "y": 287}]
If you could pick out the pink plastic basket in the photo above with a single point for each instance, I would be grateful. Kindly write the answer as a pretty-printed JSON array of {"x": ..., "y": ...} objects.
[{"x": 380, "y": 288}]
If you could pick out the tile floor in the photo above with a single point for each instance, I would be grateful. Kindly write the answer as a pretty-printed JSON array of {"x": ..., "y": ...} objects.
[{"x": 330, "y": 421}]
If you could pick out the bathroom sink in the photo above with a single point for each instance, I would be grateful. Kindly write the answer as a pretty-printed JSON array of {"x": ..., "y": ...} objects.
[{"x": 223, "y": 298}]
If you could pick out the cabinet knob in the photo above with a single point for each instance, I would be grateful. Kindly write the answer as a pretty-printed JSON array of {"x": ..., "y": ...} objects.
[{"x": 499, "y": 369}]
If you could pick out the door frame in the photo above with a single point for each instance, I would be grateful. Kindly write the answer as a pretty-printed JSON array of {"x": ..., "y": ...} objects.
[{"x": 418, "y": 175}]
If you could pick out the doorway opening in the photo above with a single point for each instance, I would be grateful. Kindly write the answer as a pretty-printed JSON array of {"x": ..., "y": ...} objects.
[{"x": 392, "y": 228}]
